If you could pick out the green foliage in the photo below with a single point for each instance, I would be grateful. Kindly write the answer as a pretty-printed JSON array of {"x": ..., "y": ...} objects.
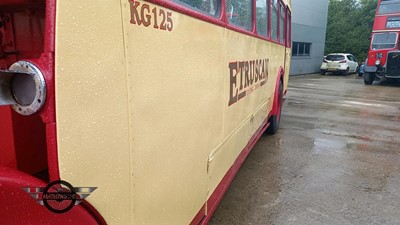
[{"x": 349, "y": 27}]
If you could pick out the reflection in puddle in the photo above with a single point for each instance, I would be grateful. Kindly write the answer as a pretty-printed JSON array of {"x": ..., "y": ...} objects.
[
  {"x": 344, "y": 134},
  {"x": 363, "y": 103},
  {"x": 322, "y": 144}
]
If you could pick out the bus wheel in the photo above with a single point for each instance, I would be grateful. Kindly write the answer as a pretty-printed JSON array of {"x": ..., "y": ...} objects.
[
  {"x": 323, "y": 72},
  {"x": 369, "y": 78},
  {"x": 274, "y": 120}
]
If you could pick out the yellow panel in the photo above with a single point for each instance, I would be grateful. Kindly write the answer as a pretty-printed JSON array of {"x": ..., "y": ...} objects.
[
  {"x": 243, "y": 118},
  {"x": 142, "y": 112},
  {"x": 177, "y": 90},
  {"x": 92, "y": 104}
]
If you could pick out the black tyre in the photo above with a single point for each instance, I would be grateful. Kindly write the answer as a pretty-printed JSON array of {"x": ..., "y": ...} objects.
[
  {"x": 346, "y": 72},
  {"x": 369, "y": 78},
  {"x": 274, "y": 120},
  {"x": 323, "y": 72}
]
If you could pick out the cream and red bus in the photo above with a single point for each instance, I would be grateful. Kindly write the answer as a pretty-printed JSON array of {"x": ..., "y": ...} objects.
[
  {"x": 150, "y": 106},
  {"x": 384, "y": 55}
]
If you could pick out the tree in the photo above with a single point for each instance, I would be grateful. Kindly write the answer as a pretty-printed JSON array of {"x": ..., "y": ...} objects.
[{"x": 349, "y": 26}]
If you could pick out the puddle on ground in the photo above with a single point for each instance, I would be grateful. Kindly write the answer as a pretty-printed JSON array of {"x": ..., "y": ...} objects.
[{"x": 321, "y": 144}]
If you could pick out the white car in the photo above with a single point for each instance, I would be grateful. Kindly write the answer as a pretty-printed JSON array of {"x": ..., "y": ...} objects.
[{"x": 339, "y": 62}]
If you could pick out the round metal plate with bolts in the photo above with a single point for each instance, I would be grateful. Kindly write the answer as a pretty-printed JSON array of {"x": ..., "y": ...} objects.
[{"x": 28, "y": 88}]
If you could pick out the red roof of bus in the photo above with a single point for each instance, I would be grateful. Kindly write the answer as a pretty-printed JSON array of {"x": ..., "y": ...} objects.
[{"x": 380, "y": 22}]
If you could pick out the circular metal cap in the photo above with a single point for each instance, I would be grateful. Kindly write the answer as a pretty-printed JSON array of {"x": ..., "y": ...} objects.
[{"x": 28, "y": 88}]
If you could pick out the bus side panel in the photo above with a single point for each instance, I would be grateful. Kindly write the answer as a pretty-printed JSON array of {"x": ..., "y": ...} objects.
[
  {"x": 223, "y": 158},
  {"x": 177, "y": 92},
  {"x": 243, "y": 118},
  {"x": 258, "y": 93},
  {"x": 92, "y": 104}
]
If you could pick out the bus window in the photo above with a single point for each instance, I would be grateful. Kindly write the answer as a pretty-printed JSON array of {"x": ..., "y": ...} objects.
[
  {"x": 289, "y": 30},
  {"x": 282, "y": 24},
  {"x": 238, "y": 13},
  {"x": 262, "y": 14},
  {"x": 274, "y": 28},
  {"x": 384, "y": 40},
  {"x": 209, "y": 7},
  {"x": 389, "y": 7}
]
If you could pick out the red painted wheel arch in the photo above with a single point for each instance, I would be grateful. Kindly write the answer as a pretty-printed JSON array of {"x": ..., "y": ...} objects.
[
  {"x": 275, "y": 107},
  {"x": 18, "y": 207}
]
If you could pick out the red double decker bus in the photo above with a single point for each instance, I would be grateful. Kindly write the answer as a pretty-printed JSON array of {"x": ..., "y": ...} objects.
[{"x": 384, "y": 54}]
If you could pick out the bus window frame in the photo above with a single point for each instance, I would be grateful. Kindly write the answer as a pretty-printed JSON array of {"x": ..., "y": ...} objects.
[
  {"x": 282, "y": 5},
  {"x": 277, "y": 34},
  {"x": 221, "y": 20},
  {"x": 382, "y": 14},
  {"x": 268, "y": 10},
  {"x": 288, "y": 28},
  {"x": 254, "y": 8},
  {"x": 269, "y": 19},
  {"x": 186, "y": 5},
  {"x": 396, "y": 45},
  {"x": 253, "y": 16}
]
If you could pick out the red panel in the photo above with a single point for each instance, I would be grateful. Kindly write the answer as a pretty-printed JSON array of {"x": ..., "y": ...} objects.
[
  {"x": 200, "y": 216},
  {"x": 372, "y": 56},
  {"x": 48, "y": 112},
  {"x": 34, "y": 136},
  {"x": 7, "y": 148},
  {"x": 18, "y": 2},
  {"x": 21, "y": 37},
  {"x": 30, "y": 143},
  {"x": 276, "y": 107},
  {"x": 380, "y": 23},
  {"x": 17, "y": 207},
  {"x": 50, "y": 26},
  {"x": 52, "y": 156}
]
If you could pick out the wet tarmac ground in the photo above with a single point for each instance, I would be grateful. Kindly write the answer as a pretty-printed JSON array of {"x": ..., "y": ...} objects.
[{"x": 335, "y": 159}]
